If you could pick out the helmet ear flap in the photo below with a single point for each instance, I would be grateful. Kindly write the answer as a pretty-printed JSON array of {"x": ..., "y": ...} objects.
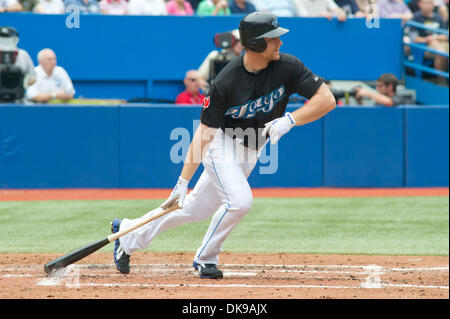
[{"x": 258, "y": 45}]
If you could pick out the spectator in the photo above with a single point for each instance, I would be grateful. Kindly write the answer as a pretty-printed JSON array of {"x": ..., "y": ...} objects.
[
  {"x": 213, "y": 8},
  {"x": 350, "y": 8},
  {"x": 280, "y": 8},
  {"x": 440, "y": 6},
  {"x": 241, "y": 7},
  {"x": 366, "y": 6},
  {"x": 385, "y": 94},
  {"x": 52, "y": 81},
  {"x": 85, "y": 6},
  {"x": 394, "y": 9},
  {"x": 147, "y": 7},
  {"x": 10, "y": 6},
  {"x": 439, "y": 42},
  {"x": 51, "y": 6},
  {"x": 192, "y": 93},
  {"x": 30, "y": 5},
  {"x": 320, "y": 8},
  {"x": 113, "y": 7},
  {"x": 228, "y": 54},
  {"x": 194, "y": 4},
  {"x": 179, "y": 8}
]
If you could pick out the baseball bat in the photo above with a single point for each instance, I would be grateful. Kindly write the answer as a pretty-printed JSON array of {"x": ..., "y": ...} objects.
[{"x": 84, "y": 251}]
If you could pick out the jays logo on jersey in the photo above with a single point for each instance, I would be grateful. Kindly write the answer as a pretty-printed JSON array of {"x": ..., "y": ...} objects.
[{"x": 262, "y": 104}]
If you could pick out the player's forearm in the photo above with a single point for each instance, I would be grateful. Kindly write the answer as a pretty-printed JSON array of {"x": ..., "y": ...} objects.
[
  {"x": 381, "y": 99},
  {"x": 202, "y": 137},
  {"x": 319, "y": 105}
]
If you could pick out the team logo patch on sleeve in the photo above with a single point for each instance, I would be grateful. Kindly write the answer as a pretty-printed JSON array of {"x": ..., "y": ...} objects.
[{"x": 206, "y": 102}]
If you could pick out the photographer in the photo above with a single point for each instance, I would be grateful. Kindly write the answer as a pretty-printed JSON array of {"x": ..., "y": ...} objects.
[
  {"x": 16, "y": 66},
  {"x": 385, "y": 93},
  {"x": 227, "y": 53}
]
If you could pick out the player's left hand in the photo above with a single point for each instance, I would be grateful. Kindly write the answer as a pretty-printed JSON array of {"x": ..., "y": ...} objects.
[
  {"x": 178, "y": 194},
  {"x": 278, "y": 127}
]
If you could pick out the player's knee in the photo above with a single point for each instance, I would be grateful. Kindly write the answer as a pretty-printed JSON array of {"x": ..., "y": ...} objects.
[{"x": 241, "y": 203}]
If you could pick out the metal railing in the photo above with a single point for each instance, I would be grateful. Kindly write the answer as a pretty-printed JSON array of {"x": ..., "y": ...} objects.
[{"x": 418, "y": 51}]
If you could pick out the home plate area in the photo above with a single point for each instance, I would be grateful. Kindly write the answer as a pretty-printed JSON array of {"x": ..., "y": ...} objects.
[{"x": 171, "y": 275}]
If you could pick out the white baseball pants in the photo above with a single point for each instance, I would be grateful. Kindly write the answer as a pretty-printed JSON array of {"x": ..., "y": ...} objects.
[{"x": 222, "y": 190}]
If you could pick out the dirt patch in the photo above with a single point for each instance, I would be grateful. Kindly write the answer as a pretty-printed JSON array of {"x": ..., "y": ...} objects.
[{"x": 246, "y": 276}]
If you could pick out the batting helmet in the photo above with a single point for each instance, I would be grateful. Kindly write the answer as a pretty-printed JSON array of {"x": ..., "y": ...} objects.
[{"x": 258, "y": 26}]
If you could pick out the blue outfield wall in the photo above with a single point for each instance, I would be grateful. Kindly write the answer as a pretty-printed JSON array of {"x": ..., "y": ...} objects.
[
  {"x": 138, "y": 146},
  {"x": 147, "y": 56}
]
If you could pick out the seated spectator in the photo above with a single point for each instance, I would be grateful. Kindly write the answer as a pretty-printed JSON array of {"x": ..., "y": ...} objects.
[
  {"x": 320, "y": 8},
  {"x": 440, "y": 6},
  {"x": 10, "y": 6},
  {"x": 350, "y": 8},
  {"x": 179, "y": 8},
  {"x": 194, "y": 4},
  {"x": 241, "y": 7},
  {"x": 204, "y": 70},
  {"x": 366, "y": 6},
  {"x": 192, "y": 93},
  {"x": 147, "y": 7},
  {"x": 30, "y": 5},
  {"x": 52, "y": 81},
  {"x": 280, "y": 8},
  {"x": 439, "y": 42},
  {"x": 213, "y": 8},
  {"x": 85, "y": 6},
  {"x": 51, "y": 7},
  {"x": 385, "y": 93},
  {"x": 113, "y": 7},
  {"x": 394, "y": 9}
]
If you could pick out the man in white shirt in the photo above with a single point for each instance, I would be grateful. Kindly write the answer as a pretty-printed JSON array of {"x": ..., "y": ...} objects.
[
  {"x": 52, "y": 81},
  {"x": 147, "y": 7},
  {"x": 10, "y": 6}
]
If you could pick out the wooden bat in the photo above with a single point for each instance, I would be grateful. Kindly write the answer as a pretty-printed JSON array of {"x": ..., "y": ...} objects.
[{"x": 84, "y": 251}]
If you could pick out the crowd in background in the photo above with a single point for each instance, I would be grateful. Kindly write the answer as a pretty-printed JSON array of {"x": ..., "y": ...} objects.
[
  {"x": 432, "y": 13},
  {"x": 340, "y": 9}
]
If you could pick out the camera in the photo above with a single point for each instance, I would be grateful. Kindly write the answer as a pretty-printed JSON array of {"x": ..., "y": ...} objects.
[
  {"x": 223, "y": 41},
  {"x": 11, "y": 76},
  {"x": 339, "y": 94}
]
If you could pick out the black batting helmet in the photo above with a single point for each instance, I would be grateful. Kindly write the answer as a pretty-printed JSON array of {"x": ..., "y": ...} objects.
[{"x": 257, "y": 26}]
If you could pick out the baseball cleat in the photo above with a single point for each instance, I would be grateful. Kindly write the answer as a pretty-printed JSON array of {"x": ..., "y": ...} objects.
[
  {"x": 208, "y": 271},
  {"x": 121, "y": 259}
]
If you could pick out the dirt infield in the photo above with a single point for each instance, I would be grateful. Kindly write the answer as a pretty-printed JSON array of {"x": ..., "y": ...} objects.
[{"x": 246, "y": 276}]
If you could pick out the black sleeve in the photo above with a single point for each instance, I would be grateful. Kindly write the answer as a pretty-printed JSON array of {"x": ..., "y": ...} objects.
[
  {"x": 306, "y": 83},
  {"x": 213, "y": 108}
]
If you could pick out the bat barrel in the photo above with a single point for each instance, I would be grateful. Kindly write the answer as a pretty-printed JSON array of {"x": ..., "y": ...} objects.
[{"x": 74, "y": 256}]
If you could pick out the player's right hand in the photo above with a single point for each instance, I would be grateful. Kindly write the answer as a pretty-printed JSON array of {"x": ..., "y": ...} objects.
[{"x": 178, "y": 194}]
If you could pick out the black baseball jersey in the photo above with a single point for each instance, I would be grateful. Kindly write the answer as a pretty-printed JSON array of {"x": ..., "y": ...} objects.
[{"x": 241, "y": 99}]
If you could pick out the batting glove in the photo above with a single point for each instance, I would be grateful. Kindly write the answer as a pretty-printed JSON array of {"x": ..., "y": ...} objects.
[
  {"x": 178, "y": 194},
  {"x": 278, "y": 127}
]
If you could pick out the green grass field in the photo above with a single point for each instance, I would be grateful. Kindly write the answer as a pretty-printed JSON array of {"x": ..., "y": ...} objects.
[{"x": 359, "y": 225}]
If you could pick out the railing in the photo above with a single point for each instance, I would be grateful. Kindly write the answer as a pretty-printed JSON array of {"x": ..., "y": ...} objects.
[{"x": 418, "y": 51}]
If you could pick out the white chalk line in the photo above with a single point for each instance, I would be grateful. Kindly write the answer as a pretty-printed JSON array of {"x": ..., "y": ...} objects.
[
  {"x": 246, "y": 286},
  {"x": 373, "y": 273},
  {"x": 224, "y": 266}
]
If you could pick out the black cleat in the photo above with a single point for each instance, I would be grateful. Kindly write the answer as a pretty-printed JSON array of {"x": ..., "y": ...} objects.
[
  {"x": 208, "y": 271},
  {"x": 121, "y": 259}
]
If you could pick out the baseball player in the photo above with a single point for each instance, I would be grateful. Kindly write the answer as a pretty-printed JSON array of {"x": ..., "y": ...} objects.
[{"x": 243, "y": 110}]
